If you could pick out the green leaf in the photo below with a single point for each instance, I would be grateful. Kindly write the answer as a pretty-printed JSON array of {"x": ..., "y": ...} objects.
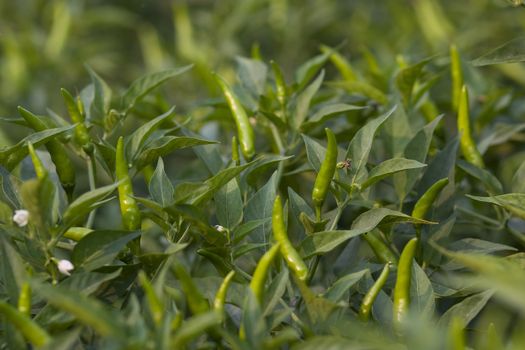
[
  {"x": 325, "y": 241},
  {"x": 466, "y": 309},
  {"x": 327, "y": 342},
  {"x": 309, "y": 69},
  {"x": 100, "y": 248},
  {"x": 87, "y": 310},
  {"x": 361, "y": 144},
  {"x": 361, "y": 88},
  {"x": 139, "y": 136},
  {"x": 260, "y": 206},
  {"x": 513, "y": 202},
  {"x": 252, "y": 74},
  {"x": 511, "y": 52},
  {"x": 406, "y": 79},
  {"x": 86, "y": 203},
  {"x": 99, "y": 105},
  {"x": 342, "y": 285},
  {"x": 262, "y": 165},
  {"x": 229, "y": 205},
  {"x": 389, "y": 167},
  {"x": 417, "y": 149},
  {"x": 242, "y": 230},
  {"x": 194, "y": 327},
  {"x": 422, "y": 299},
  {"x": 304, "y": 99},
  {"x": 142, "y": 86},
  {"x": 504, "y": 276},
  {"x": 326, "y": 113},
  {"x": 12, "y": 155},
  {"x": 164, "y": 146},
  {"x": 318, "y": 308},
  {"x": 198, "y": 192},
  {"x": 12, "y": 270},
  {"x": 160, "y": 186},
  {"x": 490, "y": 182},
  {"x": 518, "y": 180}
]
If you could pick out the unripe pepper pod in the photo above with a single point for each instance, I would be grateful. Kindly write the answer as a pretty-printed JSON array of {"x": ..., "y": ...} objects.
[
  {"x": 370, "y": 297},
  {"x": 290, "y": 255},
  {"x": 402, "y": 286},
  {"x": 261, "y": 272},
  {"x": 129, "y": 209},
  {"x": 244, "y": 128},
  {"x": 326, "y": 172},
  {"x": 467, "y": 144}
]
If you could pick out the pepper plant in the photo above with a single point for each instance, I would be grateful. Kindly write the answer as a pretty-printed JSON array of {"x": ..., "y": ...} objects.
[{"x": 344, "y": 207}]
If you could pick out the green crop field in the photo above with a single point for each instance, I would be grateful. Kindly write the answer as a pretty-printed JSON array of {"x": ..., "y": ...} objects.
[{"x": 262, "y": 174}]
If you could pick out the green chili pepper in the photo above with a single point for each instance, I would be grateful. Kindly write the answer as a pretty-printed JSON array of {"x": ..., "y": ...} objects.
[
  {"x": 428, "y": 198},
  {"x": 35, "y": 334},
  {"x": 81, "y": 132},
  {"x": 24, "y": 299},
  {"x": 235, "y": 151},
  {"x": 326, "y": 173},
  {"x": 280, "y": 84},
  {"x": 244, "y": 128},
  {"x": 261, "y": 272},
  {"x": 468, "y": 146},
  {"x": 128, "y": 206},
  {"x": 402, "y": 286},
  {"x": 64, "y": 167},
  {"x": 292, "y": 257},
  {"x": 196, "y": 302},
  {"x": 380, "y": 248},
  {"x": 456, "y": 332},
  {"x": 220, "y": 297},
  {"x": 370, "y": 297},
  {"x": 457, "y": 76},
  {"x": 77, "y": 233},
  {"x": 155, "y": 305},
  {"x": 40, "y": 170}
]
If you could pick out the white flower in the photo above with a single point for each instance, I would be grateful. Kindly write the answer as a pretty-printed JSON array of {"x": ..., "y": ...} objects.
[
  {"x": 21, "y": 217},
  {"x": 220, "y": 228},
  {"x": 65, "y": 266}
]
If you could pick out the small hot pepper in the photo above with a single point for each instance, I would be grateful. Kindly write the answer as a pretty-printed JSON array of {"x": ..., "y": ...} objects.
[
  {"x": 402, "y": 286},
  {"x": 244, "y": 128},
  {"x": 64, "y": 167},
  {"x": 261, "y": 272},
  {"x": 128, "y": 206},
  {"x": 370, "y": 297},
  {"x": 292, "y": 257},
  {"x": 326, "y": 173},
  {"x": 468, "y": 146}
]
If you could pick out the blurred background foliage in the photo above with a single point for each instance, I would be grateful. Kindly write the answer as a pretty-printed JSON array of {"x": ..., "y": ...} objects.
[{"x": 45, "y": 44}]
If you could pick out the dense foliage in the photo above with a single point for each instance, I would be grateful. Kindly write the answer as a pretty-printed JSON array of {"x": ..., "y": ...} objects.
[{"x": 337, "y": 203}]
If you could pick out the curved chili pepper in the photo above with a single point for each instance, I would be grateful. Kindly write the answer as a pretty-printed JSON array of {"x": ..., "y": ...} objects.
[
  {"x": 380, "y": 249},
  {"x": 467, "y": 144},
  {"x": 244, "y": 128},
  {"x": 370, "y": 297},
  {"x": 428, "y": 198},
  {"x": 77, "y": 233},
  {"x": 29, "y": 329},
  {"x": 64, "y": 167},
  {"x": 24, "y": 299},
  {"x": 457, "y": 76},
  {"x": 402, "y": 286},
  {"x": 292, "y": 257},
  {"x": 40, "y": 170},
  {"x": 261, "y": 272},
  {"x": 81, "y": 132},
  {"x": 326, "y": 173},
  {"x": 128, "y": 206},
  {"x": 220, "y": 297}
]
